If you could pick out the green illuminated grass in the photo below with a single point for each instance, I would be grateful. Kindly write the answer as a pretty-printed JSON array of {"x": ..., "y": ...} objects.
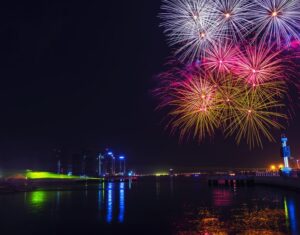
[{"x": 49, "y": 175}]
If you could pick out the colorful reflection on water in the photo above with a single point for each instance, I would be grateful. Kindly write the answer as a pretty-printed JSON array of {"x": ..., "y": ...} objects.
[
  {"x": 121, "y": 202},
  {"x": 262, "y": 216},
  {"x": 167, "y": 207},
  {"x": 38, "y": 198}
]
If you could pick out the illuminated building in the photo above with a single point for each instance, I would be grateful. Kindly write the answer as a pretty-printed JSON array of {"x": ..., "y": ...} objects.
[
  {"x": 107, "y": 164},
  {"x": 122, "y": 166}
]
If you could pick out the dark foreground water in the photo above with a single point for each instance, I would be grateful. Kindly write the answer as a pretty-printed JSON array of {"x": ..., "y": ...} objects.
[{"x": 151, "y": 206}]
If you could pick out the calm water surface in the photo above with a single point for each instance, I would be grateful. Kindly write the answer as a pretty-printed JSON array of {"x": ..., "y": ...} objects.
[{"x": 151, "y": 206}]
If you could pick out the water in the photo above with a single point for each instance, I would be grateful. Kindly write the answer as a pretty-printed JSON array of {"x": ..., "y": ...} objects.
[{"x": 151, "y": 206}]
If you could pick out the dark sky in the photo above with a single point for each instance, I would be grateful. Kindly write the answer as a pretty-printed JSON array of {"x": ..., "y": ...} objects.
[{"x": 77, "y": 75}]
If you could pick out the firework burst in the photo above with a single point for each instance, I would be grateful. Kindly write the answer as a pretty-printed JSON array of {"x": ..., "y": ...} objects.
[
  {"x": 277, "y": 21},
  {"x": 259, "y": 64},
  {"x": 233, "y": 18},
  {"x": 189, "y": 25},
  {"x": 195, "y": 106},
  {"x": 241, "y": 82},
  {"x": 221, "y": 58},
  {"x": 254, "y": 117}
]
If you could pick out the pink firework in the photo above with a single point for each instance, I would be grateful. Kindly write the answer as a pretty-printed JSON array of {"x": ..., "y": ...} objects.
[
  {"x": 259, "y": 64},
  {"x": 221, "y": 58}
]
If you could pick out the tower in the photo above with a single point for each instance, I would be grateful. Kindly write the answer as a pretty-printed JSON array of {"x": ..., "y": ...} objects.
[{"x": 285, "y": 154}]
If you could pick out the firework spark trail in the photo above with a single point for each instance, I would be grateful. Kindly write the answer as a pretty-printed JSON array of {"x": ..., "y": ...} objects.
[
  {"x": 277, "y": 21},
  {"x": 233, "y": 18},
  {"x": 221, "y": 58},
  {"x": 254, "y": 117},
  {"x": 258, "y": 64},
  {"x": 189, "y": 25},
  {"x": 195, "y": 108}
]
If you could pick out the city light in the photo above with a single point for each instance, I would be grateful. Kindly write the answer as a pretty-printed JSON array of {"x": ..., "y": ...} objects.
[
  {"x": 161, "y": 174},
  {"x": 272, "y": 167},
  {"x": 121, "y": 157}
]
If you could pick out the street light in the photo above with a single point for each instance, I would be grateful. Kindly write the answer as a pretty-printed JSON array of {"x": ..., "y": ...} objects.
[{"x": 272, "y": 167}]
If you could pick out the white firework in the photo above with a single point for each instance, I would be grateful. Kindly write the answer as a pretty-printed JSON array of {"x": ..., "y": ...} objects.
[
  {"x": 189, "y": 25},
  {"x": 233, "y": 18},
  {"x": 277, "y": 21}
]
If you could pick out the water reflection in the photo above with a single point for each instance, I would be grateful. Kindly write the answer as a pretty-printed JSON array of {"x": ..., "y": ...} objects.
[
  {"x": 101, "y": 193},
  {"x": 209, "y": 211},
  {"x": 36, "y": 200},
  {"x": 250, "y": 221},
  {"x": 254, "y": 217},
  {"x": 58, "y": 199},
  {"x": 290, "y": 212},
  {"x": 109, "y": 207},
  {"x": 222, "y": 197},
  {"x": 121, "y": 202}
]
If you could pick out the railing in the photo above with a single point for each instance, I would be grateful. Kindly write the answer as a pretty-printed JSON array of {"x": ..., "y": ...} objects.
[{"x": 267, "y": 173}]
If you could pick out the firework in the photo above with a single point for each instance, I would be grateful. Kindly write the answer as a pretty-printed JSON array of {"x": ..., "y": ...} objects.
[
  {"x": 199, "y": 103},
  {"x": 188, "y": 25},
  {"x": 233, "y": 18},
  {"x": 277, "y": 21},
  {"x": 259, "y": 64},
  {"x": 242, "y": 78},
  {"x": 221, "y": 58},
  {"x": 195, "y": 107},
  {"x": 254, "y": 117}
]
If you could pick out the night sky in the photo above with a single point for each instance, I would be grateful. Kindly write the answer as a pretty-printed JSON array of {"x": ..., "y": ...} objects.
[{"x": 78, "y": 75}]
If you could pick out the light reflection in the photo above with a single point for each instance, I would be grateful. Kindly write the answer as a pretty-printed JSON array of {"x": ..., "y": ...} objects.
[
  {"x": 57, "y": 200},
  {"x": 286, "y": 212},
  {"x": 109, "y": 207},
  {"x": 100, "y": 196},
  {"x": 222, "y": 197},
  {"x": 240, "y": 219},
  {"x": 291, "y": 215},
  {"x": 130, "y": 183},
  {"x": 121, "y": 202},
  {"x": 38, "y": 198}
]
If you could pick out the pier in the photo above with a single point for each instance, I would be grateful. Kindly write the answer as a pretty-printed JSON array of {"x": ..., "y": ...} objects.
[{"x": 272, "y": 179}]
